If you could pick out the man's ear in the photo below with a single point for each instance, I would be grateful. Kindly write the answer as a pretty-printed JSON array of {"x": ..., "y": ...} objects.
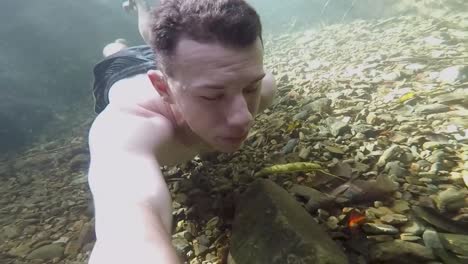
[{"x": 159, "y": 82}]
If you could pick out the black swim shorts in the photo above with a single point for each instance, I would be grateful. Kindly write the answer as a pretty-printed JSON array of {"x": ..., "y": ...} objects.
[{"x": 123, "y": 64}]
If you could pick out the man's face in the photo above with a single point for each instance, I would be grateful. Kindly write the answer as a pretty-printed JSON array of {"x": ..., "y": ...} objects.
[{"x": 217, "y": 90}]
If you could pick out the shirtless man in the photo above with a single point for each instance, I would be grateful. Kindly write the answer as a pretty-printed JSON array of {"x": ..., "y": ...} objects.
[{"x": 196, "y": 90}]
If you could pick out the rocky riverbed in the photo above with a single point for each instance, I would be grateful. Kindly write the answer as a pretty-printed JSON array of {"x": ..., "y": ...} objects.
[{"x": 381, "y": 108}]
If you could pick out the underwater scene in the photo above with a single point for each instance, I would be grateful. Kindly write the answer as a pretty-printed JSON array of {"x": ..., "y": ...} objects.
[{"x": 361, "y": 157}]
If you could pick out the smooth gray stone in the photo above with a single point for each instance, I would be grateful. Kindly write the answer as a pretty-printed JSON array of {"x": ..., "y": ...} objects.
[{"x": 271, "y": 227}]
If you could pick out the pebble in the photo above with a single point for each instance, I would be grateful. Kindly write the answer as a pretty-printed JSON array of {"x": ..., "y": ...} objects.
[
  {"x": 397, "y": 195},
  {"x": 210, "y": 257},
  {"x": 181, "y": 198},
  {"x": 289, "y": 147},
  {"x": 321, "y": 106},
  {"x": 409, "y": 237},
  {"x": 415, "y": 67},
  {"x": 20, "y": 251},
  {"x": 450, "y": 200},
  {"x": 413, "y": 227},
  {"x": 431, "y": 145},
  {"x": 389, "y": 154},
  {"x": 314, "y": 199},
  {"x": 322, "y": 214},
  {"x": 465, "y": 177},
  {"x": 394, "y": 219},
  {"x": 465, "y": 156},
  {"x": 332, "y": 222},
  {"x": 377, "y": 229},
  {"x": 429, "y": 174},
  {"x": 301, "y": 115},
  {"x": 47, "y": 252},
  {"x": 431, "y": 40},
  {"x": 395, "y": 168},
  {"x": 213, "y": 222},
  {"x": 304, "y": 153},
  {"x": 431, "y": 239},
  {"x": 199, "y": 249},
  {"x": 338, "y": 127},
  {"x": 11, "y": 231},
  {"x": 379, "y": 212},
  {"x": 194, "y": 260},
  {"x": 392, "y": 76},
  {"x": 425, "y": 180},
  {"x": 181, "y": 244},
  {"x": 400, "y": 206},
  {"x": 371, "y": 118},
  {"x": 398, "y": 250},
  {"x": 455, "y": 243},
  {"x": 380, "y": 238},
  {"x": 432, "y": 109},
  {"x": 454, "y": 74}
]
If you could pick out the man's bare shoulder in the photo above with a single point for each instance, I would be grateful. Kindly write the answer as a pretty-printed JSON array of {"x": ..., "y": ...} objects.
[
  {"x": 268, "y": 92},
  {"x": 121, "y": 130}
]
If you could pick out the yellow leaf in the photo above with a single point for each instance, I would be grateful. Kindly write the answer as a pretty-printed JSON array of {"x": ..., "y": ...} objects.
[
  {"x": 292, "y": 126},
  {"x": 289, "y": 167},
  {"x": 407, "y": 96}
]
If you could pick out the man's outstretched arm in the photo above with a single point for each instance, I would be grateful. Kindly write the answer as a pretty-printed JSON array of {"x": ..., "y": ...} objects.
[{"x": 133, "y": 208}]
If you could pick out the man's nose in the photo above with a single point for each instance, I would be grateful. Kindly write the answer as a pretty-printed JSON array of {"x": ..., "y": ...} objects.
[{"x": 239, "y": 115}]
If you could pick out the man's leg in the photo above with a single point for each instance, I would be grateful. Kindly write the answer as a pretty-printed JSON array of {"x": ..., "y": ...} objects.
[
  {"x": 143, "y": 11},
  {"x": 114, "y": 47},
  {"x": 144, "y": 18}
]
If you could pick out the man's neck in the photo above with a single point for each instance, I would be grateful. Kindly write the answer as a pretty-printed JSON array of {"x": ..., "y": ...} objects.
[{"x": 185, "y": 134}]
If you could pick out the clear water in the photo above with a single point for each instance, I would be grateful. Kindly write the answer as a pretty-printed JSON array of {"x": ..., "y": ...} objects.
[{"x": 369, "y": 57}]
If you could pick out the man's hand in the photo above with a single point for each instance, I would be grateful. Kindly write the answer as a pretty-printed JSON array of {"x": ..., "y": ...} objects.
[{"x": 127, "y": 245}]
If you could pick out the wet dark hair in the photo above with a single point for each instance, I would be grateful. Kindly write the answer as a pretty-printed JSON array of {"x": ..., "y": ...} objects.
[{"x": 232, "y": 23}]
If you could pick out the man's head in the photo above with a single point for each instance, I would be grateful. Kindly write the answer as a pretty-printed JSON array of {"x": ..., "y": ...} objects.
[{"x": 210, "y": 57}]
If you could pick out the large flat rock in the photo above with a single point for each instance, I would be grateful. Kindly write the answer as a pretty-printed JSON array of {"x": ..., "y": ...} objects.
[{"x": 271, "y": 227}]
